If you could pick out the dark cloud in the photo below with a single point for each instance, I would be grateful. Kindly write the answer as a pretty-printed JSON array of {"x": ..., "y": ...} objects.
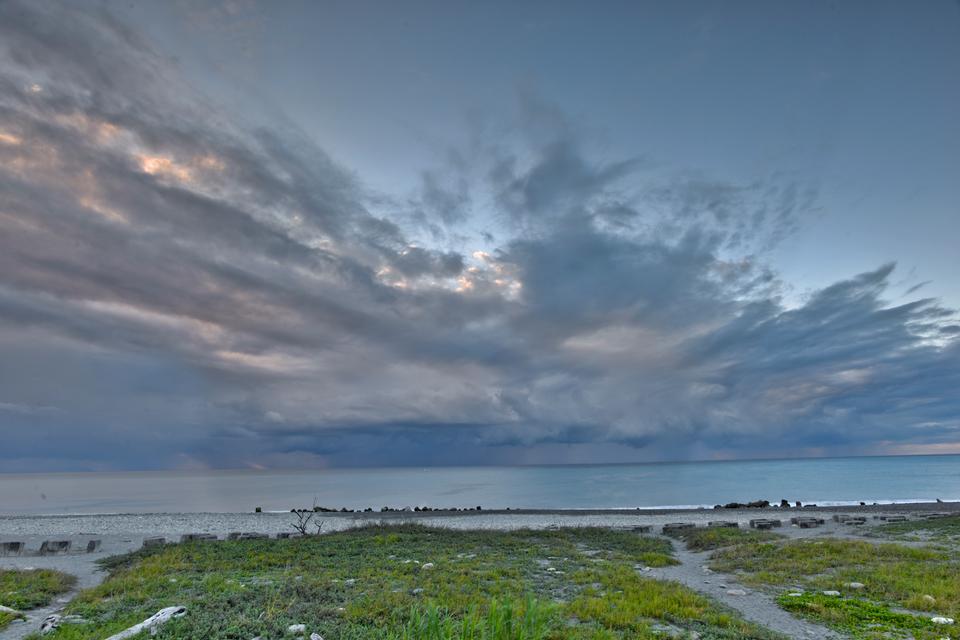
[{"x": 209, "y": 291}]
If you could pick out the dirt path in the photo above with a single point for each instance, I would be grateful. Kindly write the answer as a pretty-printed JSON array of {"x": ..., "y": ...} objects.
[
  {"x": 82, "y": 565},
  {"x": 753, "y": 605}
]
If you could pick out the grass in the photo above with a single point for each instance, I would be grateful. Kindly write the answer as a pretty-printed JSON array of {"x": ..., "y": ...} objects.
[
  {"x": 502, "y": 621},
  {"x": 940, "y": 529},
  {"x": 28, "y": 589},
  {"x": 903, "y": 586},
  {"x": 373, "y": 583},
  {"x": 861, "y": 618},
  {"x": 705, "y": 539}
]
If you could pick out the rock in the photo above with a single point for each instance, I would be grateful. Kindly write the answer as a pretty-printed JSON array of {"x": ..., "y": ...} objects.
[
  {"x": 855, "y": 585},
  {"x": 929, "y": 599},
  {"x": 297, "y": 628},
  {"x": 427, "y": 566},
  {"x": 416, "y": 591},
  {"x": 736, "y": 592},
  {"x": 93, "y": 546},
  {"x": 830, "y": 592},
  {"x": 8, "y": 610},
  {"x": 316, "y": 636},
  {"x": 50, "y": 624},
  {"x": 941, "y": 620},
  {"x": 795, "y": 594}
]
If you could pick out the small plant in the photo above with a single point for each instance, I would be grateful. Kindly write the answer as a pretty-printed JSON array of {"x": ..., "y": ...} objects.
[
  {"x": 504, "y": 620},
  {"x": 305, "y": 523}
]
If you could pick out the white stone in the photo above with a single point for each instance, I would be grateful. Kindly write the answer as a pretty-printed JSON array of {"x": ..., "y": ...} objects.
[
  {"x": 427, "y": 565},
  {"x": 736, "y": 592},
  {"x": 297, "y": 628},
  {"x": 855, "y": 585},
  {"x": 941, "y": 620},
  {"x": 831, "y": 593}
]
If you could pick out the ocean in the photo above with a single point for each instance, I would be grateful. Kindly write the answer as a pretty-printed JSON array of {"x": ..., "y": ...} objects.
[{"x": 825, "y": 481}]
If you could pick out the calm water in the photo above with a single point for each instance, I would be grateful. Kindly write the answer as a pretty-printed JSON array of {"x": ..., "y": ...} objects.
[{"x": 825, "y": 481}]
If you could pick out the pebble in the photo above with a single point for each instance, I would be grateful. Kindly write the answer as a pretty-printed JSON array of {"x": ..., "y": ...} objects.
[
  {"x": 736, "y": 592},
  {"x": 941, "y": 620},
  {"x": 427, "y": 565},
  {"x": 855, "y": 585},
  {"x": 316, "y": 636},
  {"x": 297, "y": 628},
  {"x": 831, "y": 593}
]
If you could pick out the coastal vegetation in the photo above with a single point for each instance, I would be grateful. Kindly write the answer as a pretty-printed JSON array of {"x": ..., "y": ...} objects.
[
  {"x": 707, "y": 538},
  {"x": 22, "y": 590},
  {"x": 943, "y": 530},
  {"x": 408, "y": 581},
  {"x": 863, "y": 589}
]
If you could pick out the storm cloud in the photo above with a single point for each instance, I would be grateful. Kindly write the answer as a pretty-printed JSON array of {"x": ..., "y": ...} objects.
[{"x": 180, "y": 287}]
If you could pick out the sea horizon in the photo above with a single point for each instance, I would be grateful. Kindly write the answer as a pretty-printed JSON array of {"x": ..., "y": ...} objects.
[{"x": 827, "y": 481}]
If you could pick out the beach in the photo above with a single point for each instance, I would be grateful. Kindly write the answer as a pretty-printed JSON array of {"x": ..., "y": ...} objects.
[{"x": 122, "y": 533}]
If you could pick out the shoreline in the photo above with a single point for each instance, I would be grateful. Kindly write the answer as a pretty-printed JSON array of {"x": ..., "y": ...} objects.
[{"x": 952, "y": 505}]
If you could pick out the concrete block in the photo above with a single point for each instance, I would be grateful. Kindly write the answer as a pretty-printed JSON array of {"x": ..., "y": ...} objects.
[
  {"x": 11, "y": 548},
  {"x": 53, "y": 547},
  {"x": 197, "y": 537}
]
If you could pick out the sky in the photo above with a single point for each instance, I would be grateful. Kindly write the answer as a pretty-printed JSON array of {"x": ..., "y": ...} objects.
[{"x": 302, "y": 235}]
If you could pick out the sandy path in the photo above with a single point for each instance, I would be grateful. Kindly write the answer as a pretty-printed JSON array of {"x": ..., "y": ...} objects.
[
  {"x": 753, "y": 605},
  {"x": 82, "y": 565}
]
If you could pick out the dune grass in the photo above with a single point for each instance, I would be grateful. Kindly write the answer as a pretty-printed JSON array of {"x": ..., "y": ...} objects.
[
  {"x": 939, "y": 530},
  {"x": 28, "y": 589},
  {"x": 705, "y": 539},
  {"x": 374, "y": 582},
  {"x": 902, "y": 586}
]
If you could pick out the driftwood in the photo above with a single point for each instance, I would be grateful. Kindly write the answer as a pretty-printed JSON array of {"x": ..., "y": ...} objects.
[{"x": 160, "y": 617}]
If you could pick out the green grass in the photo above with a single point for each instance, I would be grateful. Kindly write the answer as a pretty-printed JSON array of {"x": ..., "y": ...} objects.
[
  {"x": 704, "y": 539},
  {"x": 861, "y": 618},
  {"x": 365, "y": 584},
  {"x": 33, "y": 588},
  {"x": 6, "y": 618},
  {"x": 940, "y": 529},
  {"x": 24, "y": 590},
  {"x": 502, "y": 621},
  {"x": 897, "y": 579}
]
